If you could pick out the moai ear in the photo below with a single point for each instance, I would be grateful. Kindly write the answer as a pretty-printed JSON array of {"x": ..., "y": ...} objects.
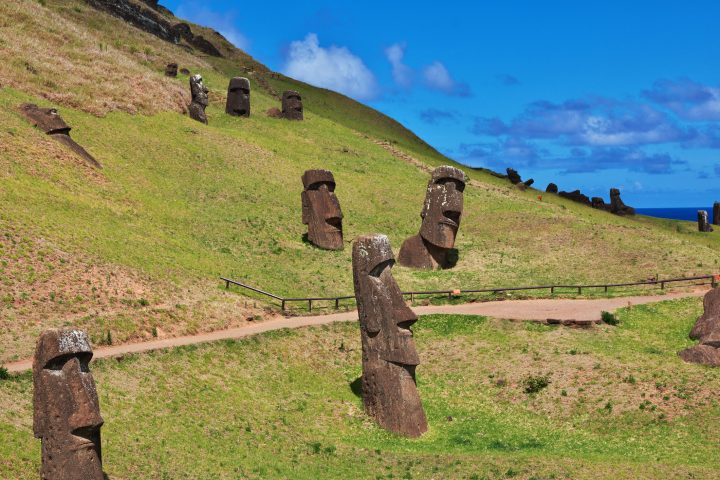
[{"x": 305, "y": 208}]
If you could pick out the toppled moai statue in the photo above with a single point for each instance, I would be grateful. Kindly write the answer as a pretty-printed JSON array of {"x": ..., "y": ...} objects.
[
  {"x": 551, "y": 188},
  {"x": 441, "y": 214},
  {"x": 599, "y": 203},
  {"x": 238, "y": 98},
  {"x": 389, "y": 357},
  {"x": 528, "y": 182},
  {"x": 576, "y": 196},
  {"x": 199, "y": 99},
  {"x": 513, "y": 176},
  {"x": 321, "y": 210},
  {"x": 49, "y": 121},
  {"x": 292, "y": 107},
  {"x": 66, "y": 415},
  {"x": 171, "y": 70},
  {"x": 707, "y": 331},
  {"x": 703, "y": 225},
  {"x": 716, "y": 213},
  {"x": 616, "y": 204}
]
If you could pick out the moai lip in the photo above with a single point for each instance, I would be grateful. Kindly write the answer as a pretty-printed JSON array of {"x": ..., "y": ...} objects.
[
  {"x": 199, "y": 101},
  {"x": 238, "y": 98},
  {"x": 707, "y": 331},
  {"x": 292, "y": 107},
  {"x": 321, "y": 210},
  {"x": 441, "y": 216},
  {"x": 389, "y": 358},
  {"x": 66, "y": 409}
]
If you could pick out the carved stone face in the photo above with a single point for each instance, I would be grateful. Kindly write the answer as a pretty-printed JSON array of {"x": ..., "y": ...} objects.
[
  {"x": 292, "y": 107},
  {"x": 238, "y": 99},
  {"x": 198, "y": 91},
  {"x": 66, "y": 407},
  {"x": 321, "y": 210},
  {"x": 443, "y": 207},
  {"x": 46, "y": 119},
  {"x": 171, "y": 70}
]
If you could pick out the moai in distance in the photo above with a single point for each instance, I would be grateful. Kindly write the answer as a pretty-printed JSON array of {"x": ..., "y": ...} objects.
[
  {"x": 238, "y": 98},
  {"x": 707, "y": 331},
  {"x": 389, "y": 357},
  {"x": 66, "y": 415},
  {"x": 716, "y": 213},
  {"x": 440, "y": 215},
  {"x": 200, "y": 100},
  {"x": 171, "y": 70},
  {"x": 551, "y": 188},
  {"x": 321, "y": 210},
  {"x": 703, "y": 225},
  {"x": 616, "y": 204},
  {"x": 292, "y": 107}
]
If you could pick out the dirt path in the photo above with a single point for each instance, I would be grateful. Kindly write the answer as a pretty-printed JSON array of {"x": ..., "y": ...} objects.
[{"x": 531, "y": 310}]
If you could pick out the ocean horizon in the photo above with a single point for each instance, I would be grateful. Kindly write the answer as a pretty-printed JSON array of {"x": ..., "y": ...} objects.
[{"x": 683, "y": 213}]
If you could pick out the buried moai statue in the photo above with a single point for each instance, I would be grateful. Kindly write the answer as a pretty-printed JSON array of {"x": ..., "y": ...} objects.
[
  {"x": 238, "y": 97},
  {"x": 171, "y": 70},
  {"x": 292, "y": 107},
  {"x": 389, "y": 357},
  {"x": 321, "y": 210},
  {"x": 66, "y": 415},
  {"x": 616, "y": 204},
  {"x": 199, "y": 99},
  {"x": 441, "y": 213},
  {"x": 703, "y": 225},
  {"x": 707, "y": 331},
  {"x": 49, "y": 121}
]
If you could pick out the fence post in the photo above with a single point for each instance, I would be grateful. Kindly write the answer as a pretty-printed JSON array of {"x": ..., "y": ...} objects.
[
  {"x": 662, "y": 285},
  {"x": 579, "y": 290},
  {"x": 337, "y": 304},
  {"x": 309, "y": 305},
  {"x": 412, "y": 297},
  {"x": 713, "y": 282},
  {"x": 606, "y": 288},
  {"x": 552, "y": 290},
  {"x": 227, "y": 284},
  {"x": 283, "y": 305}
]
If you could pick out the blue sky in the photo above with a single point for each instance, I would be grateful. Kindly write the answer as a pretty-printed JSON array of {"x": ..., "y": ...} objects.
[{"x": 588, "y": 95}]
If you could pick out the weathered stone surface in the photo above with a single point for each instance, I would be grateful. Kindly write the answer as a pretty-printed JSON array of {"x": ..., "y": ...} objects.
[
  {"x": 702, "y": 354},
  {"x": 183, "y": 30},
  {"x": 576, "y": 196},
  {"x": 292, "y": 107},
  {"x": 66, "y": 416},
  {"x": 171, "y": 70},
  {"x": 528, "y": 182},
  {"x": 49, "y": 121},
  {"x": 707, "y": 326},
  {"x": 716, "y": 213},
  {"x": 145, "y": 19},
  {"x": 441, "y": 216},
  {"x": 274, "y": 112},
  {"x": 389, "y": 358},
  {"x": 513, "y": 176},
  {"x": 205, "y": 46},
  {"x": 238, "y": 98},
  {"x": 199, "y": 94},
  {"x": 599, "y": 203},
  {"x": 321, "y": 210},
  {"x": 703, "y": 225},
  {"x": 551, "y": 188},
  {"x": 616, "y": 204}
]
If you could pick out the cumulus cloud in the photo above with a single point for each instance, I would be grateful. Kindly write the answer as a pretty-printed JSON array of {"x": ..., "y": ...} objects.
[
  {"x": 222, "y": 22},
  {"x": 402, "y": 74},
  {"x": 335, "y": 68},
  {"x": 438, "y": 77},
  {"x": 687, "y": 98},
  {"x": 434, "y": 116}
]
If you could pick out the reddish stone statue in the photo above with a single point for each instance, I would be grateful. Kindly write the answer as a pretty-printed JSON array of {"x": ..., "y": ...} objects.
[
  {"x": 49, "y": 121},
  {"x": 292, "y": 107},
  {"x": 238, "y": 98},
  {"x": 440, "y": 222},
  {"x": 199, "y": 99},
  {"x": 389, "y": 358},
  {"x": 66, "y": 415},
  {"x": 707, "y": 331},
  {"x": 321, "y": 210}
]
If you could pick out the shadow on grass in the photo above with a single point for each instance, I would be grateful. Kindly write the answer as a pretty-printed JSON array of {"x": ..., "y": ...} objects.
[{"x": 356, "y": 387}]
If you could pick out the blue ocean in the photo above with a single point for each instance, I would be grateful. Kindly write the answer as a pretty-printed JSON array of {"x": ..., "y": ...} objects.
[{"x": 686, "y": 213}]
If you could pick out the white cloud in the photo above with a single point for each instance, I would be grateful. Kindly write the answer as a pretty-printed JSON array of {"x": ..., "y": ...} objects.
[
  {"x": 222, "y": 22},
  {"x": 402, "y": 74},
  {"x": 437, "y": 77},
  {"x": 335, "y": 68}
]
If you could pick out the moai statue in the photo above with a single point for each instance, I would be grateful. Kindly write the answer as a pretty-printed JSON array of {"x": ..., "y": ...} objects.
[
  {"x": 441, "y": 213},
  {"x": 616, "y": 204},
  {"x": 199, "y": 99},
  {"x": 292, "y": 107},
  {"x": 551, "y": 188},
  {"x": 513, "y": 176},
  {"x": 66, "y": 416},
  {"x": 599, "y": 203},
  {"x": 321, "y": 210},
  {"x": 238, "y": 98},
  {"x": 389, "y": 357},
  {"x": 703, "y": 225},
  {"x": 707, "y": 331},
  {"x": 716, "y": 213},
  {"x": 49, "y": 121},
  {"x": 171, "y": 70}
]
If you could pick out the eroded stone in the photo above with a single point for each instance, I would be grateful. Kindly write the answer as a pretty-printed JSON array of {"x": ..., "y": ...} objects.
[
  {"x": 551, "y": 188},
  {"x": 238, "y": 98},
  {"x": 703, "y": 225},
  {"x": 616, "y": 204},
  {"x": 707, "y": 331},
  {"x": 171, "y": 70},
  {"x": 321, "y": 210},
  {"x": 292, "y": 107},
  {"x": 200, "y": 100}
]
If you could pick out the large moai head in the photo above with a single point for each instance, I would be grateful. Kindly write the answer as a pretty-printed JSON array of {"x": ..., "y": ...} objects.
[
  {"x": 443, "y": 206},
  {"x": 66, "y": 414},
  {"x": 703, "y": 224},
  {"x": 238, "y": 98},
  {"x": 46, "y": 119},
  {"x": 388, "y": 349},
  {"x": 292, "y": 107},
  {"x": 321, "y": 210}
]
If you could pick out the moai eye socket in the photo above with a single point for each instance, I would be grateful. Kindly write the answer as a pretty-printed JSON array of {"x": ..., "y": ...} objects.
[
  {"x": 381, "y": 267},
  {"x": 459, "y": 186},
  {"x": 58, "y": 363}
]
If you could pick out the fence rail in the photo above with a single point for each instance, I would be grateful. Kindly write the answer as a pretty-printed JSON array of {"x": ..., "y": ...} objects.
[{"x": 285, "y": 300}]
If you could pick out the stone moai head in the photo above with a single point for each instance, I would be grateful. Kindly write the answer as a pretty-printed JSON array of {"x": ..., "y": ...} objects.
[
  {"x": 707, "y": 331},
  {"x": 443, "y": 206},
  {"x": 292, "y": 107},
  {"x": 171, "y": 70},
  {"x": 388, "y": 349},
  {"x": 66, "y": 413},
  {"x": 238, "y": 98},
  {"x": 703, "y": 224},
  {"x": 46, "y": 119},
  {"x": 321, "y": 210},
  {"x": 198, "y": 90}
]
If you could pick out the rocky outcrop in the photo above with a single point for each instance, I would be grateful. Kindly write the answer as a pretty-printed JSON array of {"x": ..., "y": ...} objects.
[{"x": 576, "y": 196}]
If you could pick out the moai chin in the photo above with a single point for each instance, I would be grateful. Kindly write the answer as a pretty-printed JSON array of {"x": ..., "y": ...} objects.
[
  {"x": 703, "y": 225},
  {"x": 707, "y": 331},
  {"x": 292, "y": 107},
  {"x": 440, "y": 221},
  {"x": 200, "y": 101},
  {"x": 66, "y": 416},
  {"x": 321, "y": 210},
  {"x": 238, "y": 98},
  {"x": 389, "y": 357}
]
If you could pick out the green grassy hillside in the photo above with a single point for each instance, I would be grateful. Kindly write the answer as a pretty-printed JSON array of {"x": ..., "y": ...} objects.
[{"x": 134, "y": 250}]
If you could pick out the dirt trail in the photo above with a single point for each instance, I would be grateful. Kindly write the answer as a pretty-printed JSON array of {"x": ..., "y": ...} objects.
[{"x": 529, "y": 310}]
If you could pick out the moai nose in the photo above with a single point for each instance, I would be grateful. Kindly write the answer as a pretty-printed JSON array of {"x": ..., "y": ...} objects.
[{"x": 86, "y": 414}]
